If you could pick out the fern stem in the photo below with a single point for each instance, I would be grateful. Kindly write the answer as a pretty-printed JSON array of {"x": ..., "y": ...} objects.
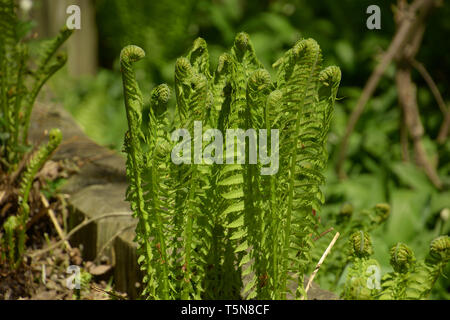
[
  {"x": 43, "y": 76},
  {"x": 133, "y": 104}
]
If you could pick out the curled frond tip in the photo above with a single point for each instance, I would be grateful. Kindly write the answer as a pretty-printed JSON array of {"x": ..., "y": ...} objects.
[{"x": 132, "y": 53}]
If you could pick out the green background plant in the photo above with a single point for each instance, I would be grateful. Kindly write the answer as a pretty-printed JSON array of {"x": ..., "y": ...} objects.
[
  {"x": 375, "y": 168},
  {"x": 23, "y": 74}
]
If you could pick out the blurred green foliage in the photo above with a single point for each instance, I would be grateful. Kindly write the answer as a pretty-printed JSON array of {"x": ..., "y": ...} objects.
[{"x": 166, "y": 29}]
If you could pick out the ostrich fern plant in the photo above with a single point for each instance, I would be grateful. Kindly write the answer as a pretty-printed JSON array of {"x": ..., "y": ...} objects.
[
  {"x": 225, "y": 231},
  {"x": 20, "y": 85}
]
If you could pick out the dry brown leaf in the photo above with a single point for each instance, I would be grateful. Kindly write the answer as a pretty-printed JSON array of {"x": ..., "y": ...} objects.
[{"x": 99, "y": 270}]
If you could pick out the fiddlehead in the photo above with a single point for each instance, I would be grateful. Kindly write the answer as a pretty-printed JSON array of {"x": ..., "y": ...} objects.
[
  {"x": 360, "y": 245},
  {"x": 199, "y": 58},
  {"x": 222, "y": 91},
  {"x": 402, "y": 258},
  {"x": 183, "y": 76},
  {"x": 363, "y": 275},
  {"x": 346, "y": 221},
  {"x": 396, "y": 284}
]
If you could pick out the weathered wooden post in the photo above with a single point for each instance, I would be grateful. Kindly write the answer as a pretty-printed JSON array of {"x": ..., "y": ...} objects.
[{"x": 83, "y": 45}]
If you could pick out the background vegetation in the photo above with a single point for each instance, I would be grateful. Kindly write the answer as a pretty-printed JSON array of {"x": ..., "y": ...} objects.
[{"x": 375, "y": 168}]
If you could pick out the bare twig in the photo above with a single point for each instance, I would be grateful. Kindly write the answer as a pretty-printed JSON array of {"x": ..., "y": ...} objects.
[
  {"x": 322, "y": 259},
  {"x": 323, "y": 233},
  {"x": 76, "y": 229},
  {"x": 110, "y": 240},
  {"x": 404, "y": 139},
  {"x": 407, "y": 27},
  {"x": 408, "y": 102},
  {"x": 51, "y": 213},
  {"x": 430, "y": 82},
  {"x": 109, "y": 293},
  {"x": 443, "y": 132}
]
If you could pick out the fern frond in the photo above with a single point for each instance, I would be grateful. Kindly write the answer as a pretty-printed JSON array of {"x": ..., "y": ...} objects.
[
  {"x": 50, "y": 48},
  {"x": 398, "y": 285},
  {"x": 35, "y": 163},
  {"x": 135, "y": 193},
  {"x": 301, "y": 156},
  {"x": 46, "y": 68},
  {"x": 41, "y": 78}
]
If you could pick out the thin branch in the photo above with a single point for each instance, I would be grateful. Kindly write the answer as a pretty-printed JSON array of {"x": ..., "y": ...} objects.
[
  {"x": 408, "y": 102},
  {"x": 110, "y": 240},
  {"x": 51, "y": 213},
  {"x": 109, "y": 293},
  {"x": 404, "y": 138},
  {"x": 402, "y": 35},
  {"x": 443, "y": 131},
  {"x": 322, "y": 259},
  {"x": 430, "y": 82},
  {"x": 323, "y": 233}
]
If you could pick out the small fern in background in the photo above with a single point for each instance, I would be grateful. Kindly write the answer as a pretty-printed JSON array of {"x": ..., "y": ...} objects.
[
  {"x": 361, "y": 283},
  {"x": 226, "y": 231},
  {"x": 410, "y": 279},
  {"x": 20, "y": 84}
]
